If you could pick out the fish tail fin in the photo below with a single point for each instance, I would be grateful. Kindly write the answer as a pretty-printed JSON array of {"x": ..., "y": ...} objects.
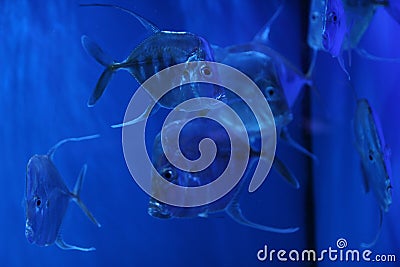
[
  {"x": 72, "y": 139},
  {"x": 234, "y": 211},
  {"x": 285, "y": 136},
  {"x": 104, "y": 59},
  {"x": 61, "y": 244},
  {"x": 368, "y": 245},
  {"x": 76, "y": 195},
  {"x": 285, "y": 172}
]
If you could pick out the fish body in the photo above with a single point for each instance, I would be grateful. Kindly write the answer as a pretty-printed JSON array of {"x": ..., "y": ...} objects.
[
  {"x": 374, "y": 155},
  {"x": 47, "y": 198},
  {"x": 157, "y": 52},
  {"x": 189, "y": 137},
  {"x": 273, "y": 75}
]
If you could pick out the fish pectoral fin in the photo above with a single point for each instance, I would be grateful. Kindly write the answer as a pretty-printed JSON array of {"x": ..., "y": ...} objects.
[
  {"x": 147, "y": 113},
  {"x": 285, "y": 172},
  {"x": 365, "y": 178},
  {"x": 285, "y": 136},
  {"x": 61, "y": 244},
  {"x": 76, "y": 196},
  {"x": 368, "y": 245},
  {"x": 234, "y": 211}
]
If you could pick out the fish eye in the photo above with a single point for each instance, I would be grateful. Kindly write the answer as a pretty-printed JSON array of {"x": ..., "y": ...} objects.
[
  {"x": 332, "y": 16},
  {"x": 314, "y": 16},
  {"x": 206, "y": 71},
  {"x": 270, "y": 91},
  {"x": 38, "y": 202},
  {"x": 370, "y": 156},
  {"x": 168, "y": 174}
]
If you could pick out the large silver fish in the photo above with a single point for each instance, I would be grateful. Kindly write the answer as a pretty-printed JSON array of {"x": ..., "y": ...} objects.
[
  {"x": 47, "y": 198},
  {"x": 190, "y": 136},
  {"x": 374, "y": 154},
  {"x": 159, "y": 51}
]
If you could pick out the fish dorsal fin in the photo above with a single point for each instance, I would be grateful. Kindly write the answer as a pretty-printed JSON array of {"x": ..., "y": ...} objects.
[
  {"x": 234, "y": 211},
  {"x": 52, "y": 150},
  {"x": 61, "y": 244},
  {"x": 285, "y": 172},
  {"x": 368, "y": 245},
  {"x": 76, "y": 195},
  {"x": 263, "y": 35},
  {"x": 146, "y": 23}
]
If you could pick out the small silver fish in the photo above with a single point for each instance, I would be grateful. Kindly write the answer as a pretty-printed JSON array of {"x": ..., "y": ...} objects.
[
  {"x": 374, "y": 154},
  {"x": 47, "y": 198},
  {"x": 189, "y": 136},
  {"x": 159, "y": 51}
]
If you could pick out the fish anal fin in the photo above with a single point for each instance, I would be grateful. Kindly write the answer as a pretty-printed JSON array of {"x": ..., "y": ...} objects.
[
  {"x": 61, "y": 244},
  {"x": 285, "y": 172},
  {"x": 364, "y": 178},
  {"x": 342, "y": 66},
  {"x": 147, "y": 113},
  {"x": 234, "y": 211},
  {"x": 368, "y": 245},
  {"x": 76, "y": 195},
  {"x": 285, "y": 136}
]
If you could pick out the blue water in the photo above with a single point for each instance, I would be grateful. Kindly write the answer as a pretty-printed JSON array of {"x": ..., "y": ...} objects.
[{"x": 47, "y": 78}]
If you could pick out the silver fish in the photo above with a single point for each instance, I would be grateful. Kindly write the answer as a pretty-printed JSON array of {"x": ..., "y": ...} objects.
[
  {"x": 228, "y": 203},
  {"x": 159, "y": 51},
  {"x": 263, "y": 69},
  {"x": 47, "y": 198},
  {"x": 338, "y": 25},
  {"x": 374, "y": 154}
]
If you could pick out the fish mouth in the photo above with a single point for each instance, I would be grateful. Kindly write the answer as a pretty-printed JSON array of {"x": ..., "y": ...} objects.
[
  {"x": 158, "y": 210},
  {"x": 29, "y": 233}
]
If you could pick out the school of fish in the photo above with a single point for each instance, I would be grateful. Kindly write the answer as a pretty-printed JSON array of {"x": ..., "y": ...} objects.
[{"x": 335, "y": 26}]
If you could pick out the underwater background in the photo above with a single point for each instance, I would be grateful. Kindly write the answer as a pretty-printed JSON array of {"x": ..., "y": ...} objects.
[{"x": 47, "y": 77}]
